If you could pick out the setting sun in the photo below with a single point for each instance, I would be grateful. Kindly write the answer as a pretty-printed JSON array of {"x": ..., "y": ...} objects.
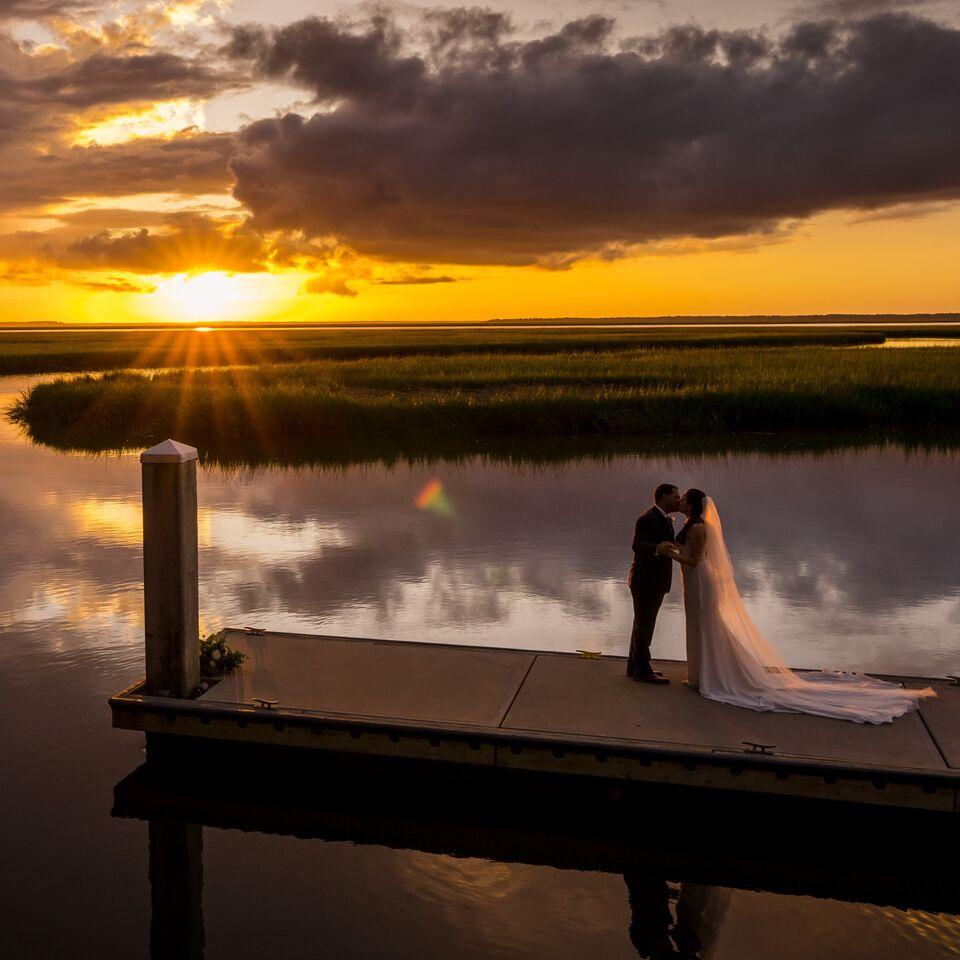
[{"x": 207, "y": 296}]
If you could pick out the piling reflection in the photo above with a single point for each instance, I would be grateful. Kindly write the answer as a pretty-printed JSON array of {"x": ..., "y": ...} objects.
[
  {"x": 176, "y": 890},
  {"x": 681, "y": 857}
]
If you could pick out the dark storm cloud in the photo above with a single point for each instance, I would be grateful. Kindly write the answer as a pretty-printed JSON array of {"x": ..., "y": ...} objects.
[
  {"x": 319, "y": 55},
  {"x": 483, "y": 148}
]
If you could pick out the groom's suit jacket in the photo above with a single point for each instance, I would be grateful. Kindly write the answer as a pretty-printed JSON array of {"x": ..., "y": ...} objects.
[{"x": 649, "y": 572}]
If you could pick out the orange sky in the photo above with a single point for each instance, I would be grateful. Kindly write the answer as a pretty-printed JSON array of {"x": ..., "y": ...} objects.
[
  {"x": 120, "y": 207},
  {"x": 832, "y": 265}
]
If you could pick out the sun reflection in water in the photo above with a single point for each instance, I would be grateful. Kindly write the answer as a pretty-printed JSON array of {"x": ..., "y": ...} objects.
[{"x": 116, "y": 520}]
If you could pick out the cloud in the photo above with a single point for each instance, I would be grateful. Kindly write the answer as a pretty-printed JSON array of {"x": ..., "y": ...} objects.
[
  {"x": 905, "y": 211},
  {"x": 317, "y": 54},
  {"x": 856, "y": 8},
  {"x": 413, "y": 281},
  {"x": 115, "y": 285},
  {"x": 196, "y": 244},
  {"x": 36, "y": 9},
  {"x": 97, "y": 218},
  {"x": 482, "y": 148},
  {"x": 51, "y": 93},
  {"x": 36, "y": 273},
  {"x": 108, "y": 78},
  {"x": 177, "y": 243},
  {"x": 189, "y": 163},
  {"x": 185, "y": 243},
  {"x": 334, "y": 283}
]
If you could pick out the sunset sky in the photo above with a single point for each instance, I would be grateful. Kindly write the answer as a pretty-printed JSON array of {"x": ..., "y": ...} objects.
[{"x": 287, "y": 160}]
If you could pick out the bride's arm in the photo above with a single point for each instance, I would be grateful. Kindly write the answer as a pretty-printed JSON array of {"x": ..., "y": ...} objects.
[{"x": 694, "y": 548}]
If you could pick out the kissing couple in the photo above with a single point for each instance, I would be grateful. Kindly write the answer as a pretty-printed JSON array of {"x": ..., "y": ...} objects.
[{"x": 728, "y": 658}]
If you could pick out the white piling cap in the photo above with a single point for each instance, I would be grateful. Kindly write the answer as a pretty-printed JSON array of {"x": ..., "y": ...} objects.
[{"x": 170, "y": 451}]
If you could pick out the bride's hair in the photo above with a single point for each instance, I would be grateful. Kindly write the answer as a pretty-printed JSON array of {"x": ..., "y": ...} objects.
[{"x": 697, "y": 500}]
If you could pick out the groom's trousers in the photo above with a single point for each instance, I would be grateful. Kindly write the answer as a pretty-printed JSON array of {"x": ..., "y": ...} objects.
[{"x": 646, "y": 606}]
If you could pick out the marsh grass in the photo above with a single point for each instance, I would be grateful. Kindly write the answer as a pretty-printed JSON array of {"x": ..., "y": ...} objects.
[
  {"x": 448, "y": 404},
  {"x": 96, "y": 350}
]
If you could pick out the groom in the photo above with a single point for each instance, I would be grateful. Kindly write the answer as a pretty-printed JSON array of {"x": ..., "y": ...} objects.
[{"x": 651, "y": 574}]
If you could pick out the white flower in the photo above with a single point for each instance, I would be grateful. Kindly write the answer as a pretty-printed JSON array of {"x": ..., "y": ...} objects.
[{"x": 215, "y": 655}]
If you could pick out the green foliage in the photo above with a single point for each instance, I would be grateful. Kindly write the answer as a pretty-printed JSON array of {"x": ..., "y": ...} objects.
[
  {"x": 216, "y": 656},
  {"x": 462, "y": 403}
]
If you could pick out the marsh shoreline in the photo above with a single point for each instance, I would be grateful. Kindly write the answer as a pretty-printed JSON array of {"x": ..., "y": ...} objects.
[{"x": 512, "y": 405}]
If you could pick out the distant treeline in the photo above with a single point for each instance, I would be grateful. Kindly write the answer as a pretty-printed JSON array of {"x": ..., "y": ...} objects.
[{"x": 857, "y": 319}]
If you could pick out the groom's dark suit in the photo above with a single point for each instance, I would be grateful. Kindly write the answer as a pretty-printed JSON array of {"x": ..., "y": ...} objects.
[{"x": 650, "y": 578}]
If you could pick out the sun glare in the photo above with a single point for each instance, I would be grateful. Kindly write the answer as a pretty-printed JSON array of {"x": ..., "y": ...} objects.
[{"x": 206, "y": 296}]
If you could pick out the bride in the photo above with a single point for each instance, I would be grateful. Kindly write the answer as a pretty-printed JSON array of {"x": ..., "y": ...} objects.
[{"x": 729, "y": 659}]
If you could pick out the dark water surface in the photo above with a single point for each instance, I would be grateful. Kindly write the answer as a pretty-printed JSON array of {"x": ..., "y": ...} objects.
[{"x": 847, "y": 559}]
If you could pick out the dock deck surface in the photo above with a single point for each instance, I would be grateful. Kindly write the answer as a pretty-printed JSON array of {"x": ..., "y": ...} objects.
[{"x": 565, "y": 713}]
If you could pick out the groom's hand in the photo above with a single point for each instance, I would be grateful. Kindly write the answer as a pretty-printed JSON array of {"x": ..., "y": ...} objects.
[{"x": 665, "y": 548}]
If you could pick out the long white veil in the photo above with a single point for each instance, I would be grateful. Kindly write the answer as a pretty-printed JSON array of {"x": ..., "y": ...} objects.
[
  {"x": 763, "y": 659},
  {"x": 740, "y": 666}
]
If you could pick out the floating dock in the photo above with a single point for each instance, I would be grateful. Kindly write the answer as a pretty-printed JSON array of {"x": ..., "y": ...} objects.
[{"x": 566, "y": 715}]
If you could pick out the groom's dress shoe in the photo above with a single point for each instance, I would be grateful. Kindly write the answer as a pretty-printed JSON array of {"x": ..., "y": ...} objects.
[{"x": 650, "y": 678}]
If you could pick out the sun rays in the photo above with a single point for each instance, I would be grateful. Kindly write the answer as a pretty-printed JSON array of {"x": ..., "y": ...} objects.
[{"x": 206, "y": 361}]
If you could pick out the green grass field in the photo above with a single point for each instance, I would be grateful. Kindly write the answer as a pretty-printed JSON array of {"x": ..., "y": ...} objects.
[{"x": 450, "y": 403}]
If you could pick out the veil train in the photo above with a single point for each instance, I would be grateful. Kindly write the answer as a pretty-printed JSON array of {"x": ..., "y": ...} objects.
[{"x": 741, "y": 667}]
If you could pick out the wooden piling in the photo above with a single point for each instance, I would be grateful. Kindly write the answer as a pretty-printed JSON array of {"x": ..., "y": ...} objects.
[{"x": 170, "y": 578}]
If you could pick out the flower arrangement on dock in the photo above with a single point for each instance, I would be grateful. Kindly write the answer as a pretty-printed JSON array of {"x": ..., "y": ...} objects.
[{"x": 216, "y": 657}]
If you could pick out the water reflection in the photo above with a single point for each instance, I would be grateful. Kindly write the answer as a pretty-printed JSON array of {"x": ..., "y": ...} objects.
[
  {"x": 691, "y": 931},
  {"x": 512, "y": 868},
  {"x": 847, "y": 558},
  {"x": 908, "y": 342}
]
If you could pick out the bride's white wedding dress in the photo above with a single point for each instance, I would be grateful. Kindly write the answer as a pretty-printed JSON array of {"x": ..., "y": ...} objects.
[{"x": 730, "y": 660}]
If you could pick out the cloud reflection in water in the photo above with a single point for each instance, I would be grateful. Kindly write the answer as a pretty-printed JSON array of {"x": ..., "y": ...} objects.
[{"x": 844, "y": 558}]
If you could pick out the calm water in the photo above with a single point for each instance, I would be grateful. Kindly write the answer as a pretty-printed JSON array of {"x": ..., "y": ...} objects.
[{"x": 848, "y": 560}]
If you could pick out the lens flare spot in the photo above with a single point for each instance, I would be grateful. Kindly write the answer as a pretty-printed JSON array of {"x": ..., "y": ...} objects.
[{"x": 434, "y": 498}]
